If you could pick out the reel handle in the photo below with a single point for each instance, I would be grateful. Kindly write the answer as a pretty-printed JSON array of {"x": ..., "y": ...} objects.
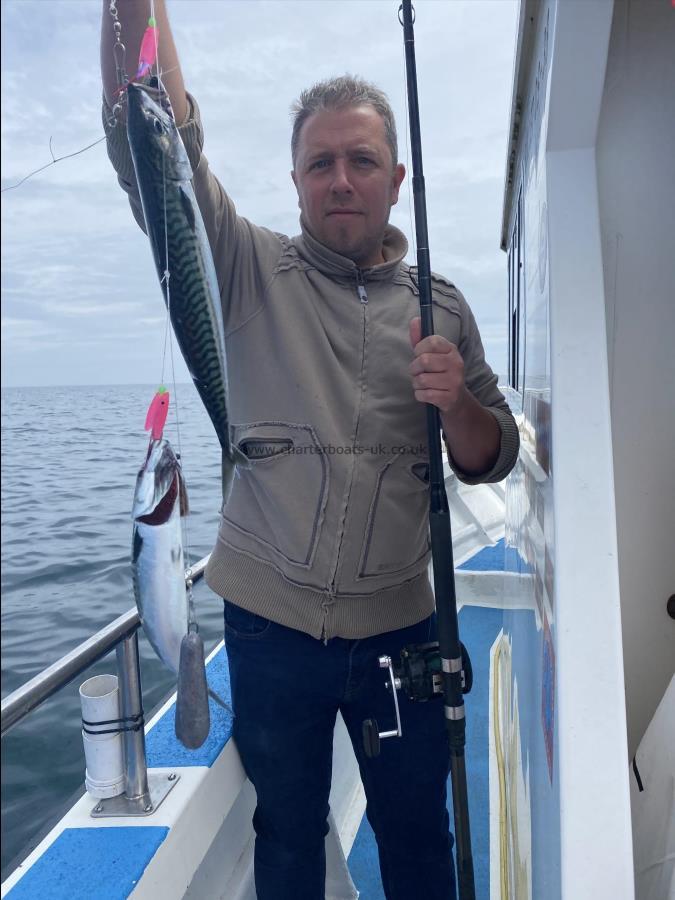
[{"x": 370, "y": 730}]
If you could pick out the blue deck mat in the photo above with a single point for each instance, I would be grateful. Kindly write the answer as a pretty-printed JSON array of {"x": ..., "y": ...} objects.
[
  {"x": 499, "y": 558},
  {"x": 489, "y": 559},
  {"x": 82, "y": 863},
  {"x": 163, "y": 747},
  {"x": 479, "y": 627}
]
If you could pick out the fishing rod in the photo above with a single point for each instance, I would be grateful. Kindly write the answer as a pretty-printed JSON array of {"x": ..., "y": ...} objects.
[{"x": 444, "y": 668}]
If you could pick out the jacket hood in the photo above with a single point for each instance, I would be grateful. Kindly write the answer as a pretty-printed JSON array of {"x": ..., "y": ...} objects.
[{"x": 394, "y": 249}]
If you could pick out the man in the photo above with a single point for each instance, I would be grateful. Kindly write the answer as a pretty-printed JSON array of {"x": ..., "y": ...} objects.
[{"x": 323, "y": 546}]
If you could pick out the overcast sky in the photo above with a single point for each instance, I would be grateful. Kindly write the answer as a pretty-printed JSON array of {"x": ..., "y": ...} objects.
[{"x": 80, "y": 299}]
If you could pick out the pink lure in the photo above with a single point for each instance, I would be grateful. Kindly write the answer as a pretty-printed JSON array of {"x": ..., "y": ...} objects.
[
  {"x": 157, "y": 412},
  {"x": 148, "y": 54}
]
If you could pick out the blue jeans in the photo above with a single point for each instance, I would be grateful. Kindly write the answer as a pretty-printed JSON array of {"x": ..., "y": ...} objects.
[{"x": 287, "y": 688}]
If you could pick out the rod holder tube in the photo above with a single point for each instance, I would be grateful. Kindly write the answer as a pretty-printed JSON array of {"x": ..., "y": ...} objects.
[
  {"x": 131, "y": 709},
  {"x": 103, "y": 751}
]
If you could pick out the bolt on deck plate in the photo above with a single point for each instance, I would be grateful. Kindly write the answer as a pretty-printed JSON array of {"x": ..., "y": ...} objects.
[{"x": 159, "y": 785}]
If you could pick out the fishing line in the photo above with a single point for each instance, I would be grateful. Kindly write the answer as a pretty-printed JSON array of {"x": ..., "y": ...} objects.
[
  {"x": 166, "y": 275},
  {"x": 55, "y": 159},
  {"x": 168, "y": 334},
  {"x": 166, "y": 278},
  {"x": 100, "y": 140},
  {"x": 156, "y": 38}
]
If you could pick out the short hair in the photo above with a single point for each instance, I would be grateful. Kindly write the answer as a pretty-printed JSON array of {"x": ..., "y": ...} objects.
[{"x": 338, "y": 93}]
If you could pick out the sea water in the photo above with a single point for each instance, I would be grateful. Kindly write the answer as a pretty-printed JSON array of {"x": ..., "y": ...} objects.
[{"x": 70, "y": 456}]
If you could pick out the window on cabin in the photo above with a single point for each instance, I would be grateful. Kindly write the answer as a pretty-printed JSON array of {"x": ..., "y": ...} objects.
[{"x": 516, "y": 304}]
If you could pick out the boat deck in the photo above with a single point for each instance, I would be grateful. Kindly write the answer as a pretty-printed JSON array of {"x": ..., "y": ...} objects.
[{"x": 130, "y": 856}]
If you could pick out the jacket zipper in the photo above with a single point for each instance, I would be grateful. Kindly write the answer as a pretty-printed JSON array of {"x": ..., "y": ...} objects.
[
  {"x": 361, "y": 286},
  {"x": 363, "y": 297}
]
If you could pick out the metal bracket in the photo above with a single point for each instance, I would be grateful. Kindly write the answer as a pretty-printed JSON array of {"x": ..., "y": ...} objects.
[{"x": 159, "y": 785}]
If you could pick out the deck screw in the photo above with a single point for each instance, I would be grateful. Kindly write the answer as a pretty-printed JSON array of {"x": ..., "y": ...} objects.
[
  {"x": 98, "y": 808},
  {"x": 147, "y": 807},
  {"x": 172, "y": 776}
]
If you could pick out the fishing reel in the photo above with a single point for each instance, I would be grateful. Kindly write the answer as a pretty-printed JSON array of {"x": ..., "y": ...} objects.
[{"x": 420, "y": 675}]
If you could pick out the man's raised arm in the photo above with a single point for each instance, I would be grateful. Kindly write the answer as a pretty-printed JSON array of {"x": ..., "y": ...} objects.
[{"x": 133, "y": 16}]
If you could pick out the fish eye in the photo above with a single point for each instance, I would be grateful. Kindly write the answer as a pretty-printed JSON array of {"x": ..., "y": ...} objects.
[{"x": 159, "y": 128}]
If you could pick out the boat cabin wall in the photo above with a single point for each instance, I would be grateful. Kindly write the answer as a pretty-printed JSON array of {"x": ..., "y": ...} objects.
[
  {"x": 568, "y": 808},
  {"x": 636, "y": 197},
  {"x": 524, "y": 662}
]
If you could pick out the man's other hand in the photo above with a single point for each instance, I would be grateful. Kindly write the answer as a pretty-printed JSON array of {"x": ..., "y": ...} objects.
[
  {"x": 472, "y": 434},
  {"x": 437, "y": 371}
]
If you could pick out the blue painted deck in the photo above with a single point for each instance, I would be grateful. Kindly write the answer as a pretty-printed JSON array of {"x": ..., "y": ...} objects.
[
  {"x": 82, "y": 863},
  {"x": 479, "y": 627}
]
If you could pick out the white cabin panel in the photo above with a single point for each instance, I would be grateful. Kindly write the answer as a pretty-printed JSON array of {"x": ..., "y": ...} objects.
[
  {"x": 566, "y": 688},
  {"x": 636, "y": 190}
]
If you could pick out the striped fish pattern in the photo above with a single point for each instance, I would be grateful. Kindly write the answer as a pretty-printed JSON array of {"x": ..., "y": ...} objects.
[{"x": 183, "y": 257}]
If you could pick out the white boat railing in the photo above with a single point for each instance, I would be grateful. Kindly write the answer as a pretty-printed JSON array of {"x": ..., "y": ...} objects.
[{"x": 121, "y": 635}]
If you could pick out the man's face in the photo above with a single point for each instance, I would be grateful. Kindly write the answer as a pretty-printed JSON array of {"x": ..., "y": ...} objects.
[{"x": 346, "y": 181}]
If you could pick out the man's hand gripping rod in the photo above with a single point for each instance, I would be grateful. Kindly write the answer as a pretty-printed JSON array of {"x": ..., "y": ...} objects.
[{"x": 430, "y": 670}]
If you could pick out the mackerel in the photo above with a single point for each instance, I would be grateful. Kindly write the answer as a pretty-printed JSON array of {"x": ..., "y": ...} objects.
[
  {"x": 183, "y": 258},
  {"x": 158, "y": 568}
]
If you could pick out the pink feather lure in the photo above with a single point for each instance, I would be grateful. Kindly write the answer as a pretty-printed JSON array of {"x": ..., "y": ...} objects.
[
  {"x": 148, "y": 54},
  {"x": 157, "y": 412}
]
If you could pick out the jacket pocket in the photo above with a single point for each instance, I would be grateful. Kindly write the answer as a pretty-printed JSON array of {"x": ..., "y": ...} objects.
[
  {"x": 397, "y": 529},
  {"x": 279, "y": 501}
]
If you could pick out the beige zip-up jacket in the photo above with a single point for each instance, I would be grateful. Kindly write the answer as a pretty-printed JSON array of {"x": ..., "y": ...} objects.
[{"x": 327, "y": 531}]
